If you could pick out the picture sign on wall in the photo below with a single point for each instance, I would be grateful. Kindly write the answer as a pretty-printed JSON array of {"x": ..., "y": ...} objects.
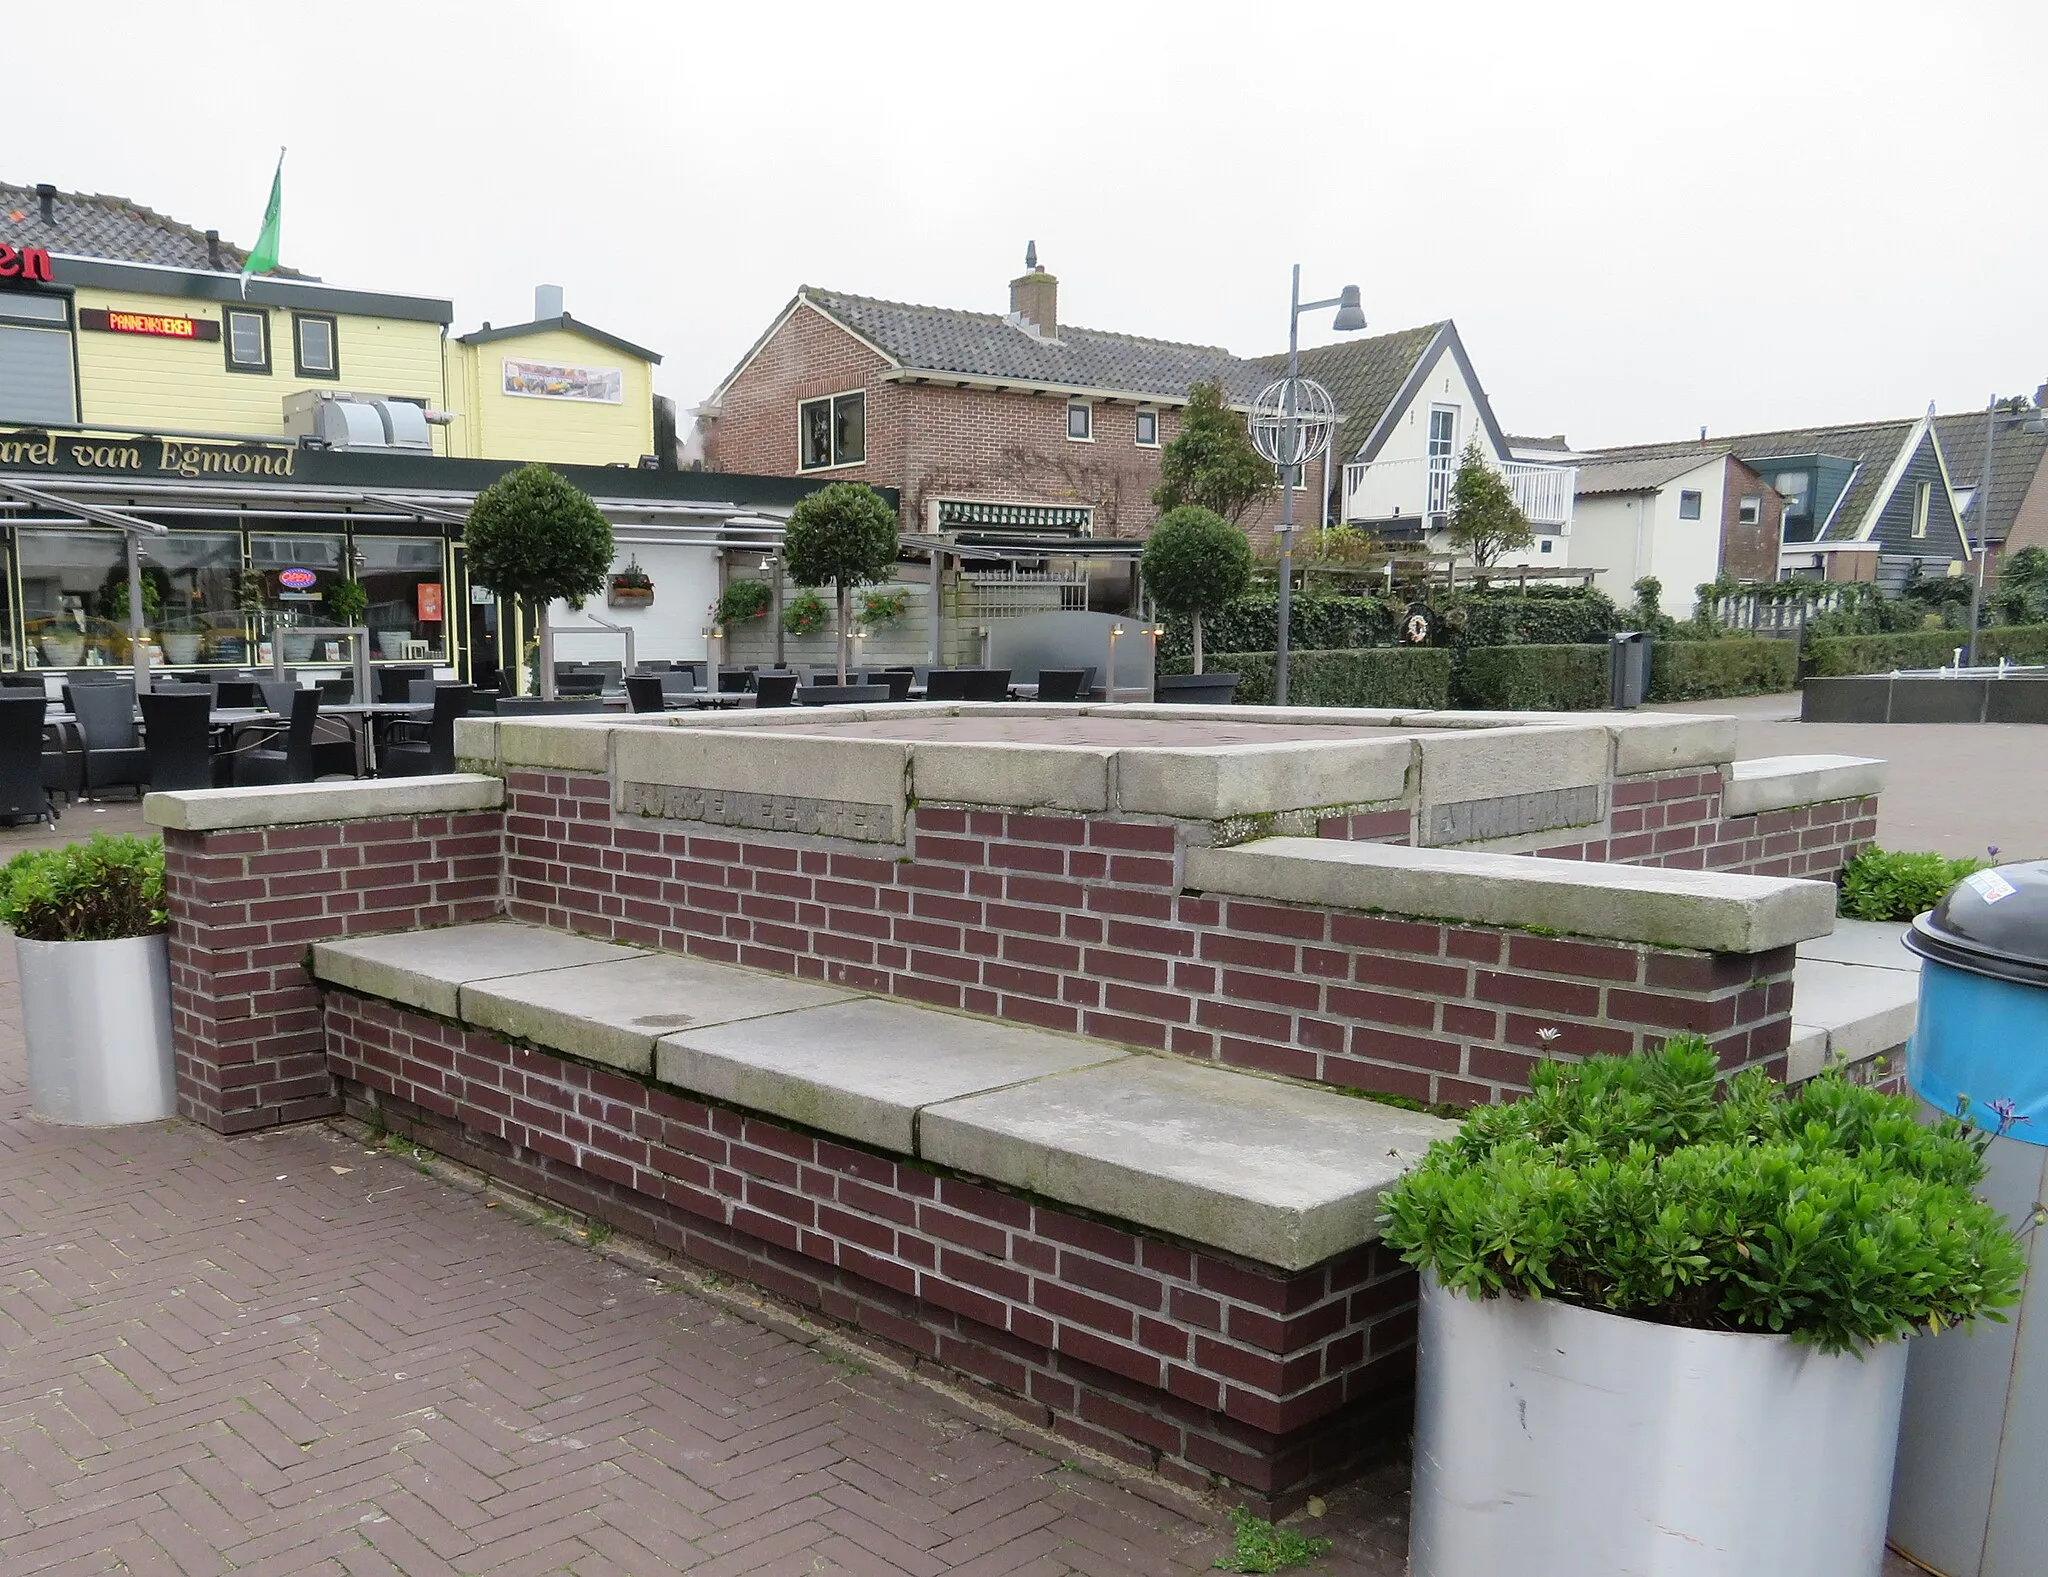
[{"x": 544, "y": 380}]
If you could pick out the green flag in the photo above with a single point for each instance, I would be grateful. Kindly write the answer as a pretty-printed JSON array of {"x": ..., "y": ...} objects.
[{"x": 262, "y": 257}]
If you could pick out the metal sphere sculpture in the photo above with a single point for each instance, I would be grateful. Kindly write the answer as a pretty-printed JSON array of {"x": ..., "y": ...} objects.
[{"x": 1315, "y": 418}]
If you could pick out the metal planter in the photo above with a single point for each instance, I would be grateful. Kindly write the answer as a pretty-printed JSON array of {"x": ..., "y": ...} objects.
[
  {"x": 1555, "y": 1441},
  {"x": 97, "y": 1019}
]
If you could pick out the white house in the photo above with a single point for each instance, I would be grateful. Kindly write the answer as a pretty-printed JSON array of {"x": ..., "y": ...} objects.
[{"x": 1411, "y": 402}]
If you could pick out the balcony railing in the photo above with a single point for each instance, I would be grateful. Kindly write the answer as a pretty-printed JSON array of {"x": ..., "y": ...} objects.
[{"x": 1382, "y": 489}]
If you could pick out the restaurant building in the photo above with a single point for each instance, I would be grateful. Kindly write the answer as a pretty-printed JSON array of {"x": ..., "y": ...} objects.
[{"x": 265, "y": 439}]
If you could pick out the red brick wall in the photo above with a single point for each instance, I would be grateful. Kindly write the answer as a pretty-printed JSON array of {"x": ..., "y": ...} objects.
[
  {"x": 1078, "y": 924},
  {"x": 933, "y": 441},
  {"x": 1674, "y": 819},
  {"x": 1185, "y": 1360},
  {"x": 1749, "y": 553},
  {"x": 244, "y": 908}
]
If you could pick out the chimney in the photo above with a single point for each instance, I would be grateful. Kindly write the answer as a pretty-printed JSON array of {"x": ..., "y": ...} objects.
[
  {"x": 46, "y": 199},
  {"x": 1035, "y": 296},
  {"x": 547, "y": 302},
  {"x": 213, "y": 249}
]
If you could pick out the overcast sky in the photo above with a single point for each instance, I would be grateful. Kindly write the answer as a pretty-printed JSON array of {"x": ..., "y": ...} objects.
[{"x": 1645, "y": 218}]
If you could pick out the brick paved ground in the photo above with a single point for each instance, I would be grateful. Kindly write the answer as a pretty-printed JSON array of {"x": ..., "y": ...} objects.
[{"x": 295, "y": 1355}]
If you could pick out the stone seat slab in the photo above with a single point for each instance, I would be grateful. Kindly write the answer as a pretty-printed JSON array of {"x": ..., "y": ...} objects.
[
  {"x": 1847, "y": 1012},
  {"x": 614, "y": 1012},
  {"x": 428, "y": 969},
  {"x": 864, "y": 1069},
  {"x": 1279, "y": 1173}
]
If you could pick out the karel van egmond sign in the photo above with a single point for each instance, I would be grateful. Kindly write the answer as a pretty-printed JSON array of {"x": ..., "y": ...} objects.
[{"x": 91, "y": 455}]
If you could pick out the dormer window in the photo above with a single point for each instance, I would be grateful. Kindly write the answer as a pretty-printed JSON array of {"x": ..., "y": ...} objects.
[{"x": 1081, "y": 421}]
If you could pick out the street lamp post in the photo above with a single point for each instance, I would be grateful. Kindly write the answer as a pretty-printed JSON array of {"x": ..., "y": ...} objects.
[
  {"x": 1980, "y": 505},
  {"x": 1291, "y": 457}
]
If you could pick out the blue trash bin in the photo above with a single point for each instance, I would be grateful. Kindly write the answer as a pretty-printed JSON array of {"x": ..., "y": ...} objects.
[{"x": 1967, "y": 1495}]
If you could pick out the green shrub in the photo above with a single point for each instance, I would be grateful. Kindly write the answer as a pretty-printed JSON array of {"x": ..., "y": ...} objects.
[
  {"x": 1642, "y": 1186},
  {"x": 101, "y": 890},
  {"x": 1411, "y": 676},
  {"x": 1252, "y": 624},
  {"x": 1740, "y": 665},
  {"x": 1884, "y": 884},
  {"x": 805, "y": 613},
  {"x": 1531, "y": 678},
  {"x": 1541, "y": 616},
  {"x": 1834, "y": 657}
]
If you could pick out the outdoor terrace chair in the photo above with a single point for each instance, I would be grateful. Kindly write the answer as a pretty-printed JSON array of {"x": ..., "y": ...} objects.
[
  {"x": 238, "y": 692},
  {"x": 987, "y": 684},
  {"x": 289, "y": 756},
  {"x": 842, "y": 695},
  {"x": 278, "y": 694},
  {"x": 24, "y": 794},
  {"x": 897, "y": 680},
  {"x": 947, "y": 684},
  {"x": 677, "y": 681},
  {"x": 584, "y": 681},
  {"x": 337, "y": 692},
  {"x": 1061, "y": 684},
  {"x": 736, "y": 681},
  {"x": 774, "y": 689},
  {"x": 644, "y": 693},
  {"x": 395, "y": 684},
  {"x": 114, "y": 755},
  {"x": 177, "y": 734},
  {"x": 421, "y": 747}
]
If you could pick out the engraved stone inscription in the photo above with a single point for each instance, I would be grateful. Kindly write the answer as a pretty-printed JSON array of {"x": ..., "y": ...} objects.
[
  {"x": 1475, "y": 820},
  {"x": 823, "y": 818}
]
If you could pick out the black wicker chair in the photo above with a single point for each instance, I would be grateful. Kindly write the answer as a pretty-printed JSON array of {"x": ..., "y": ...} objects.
[
  {"x": 426, "y": 747},
  {"x": 23, "y": 795},
  {"x": 178, "y": 737},
  {"x": 644, "y": 694},
  {"x": 114, "y": 756},
  {"x": 290, "y": 760}
]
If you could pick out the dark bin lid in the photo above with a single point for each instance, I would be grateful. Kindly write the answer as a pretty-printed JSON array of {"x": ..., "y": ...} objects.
[{"x": 1993, "y": 923}]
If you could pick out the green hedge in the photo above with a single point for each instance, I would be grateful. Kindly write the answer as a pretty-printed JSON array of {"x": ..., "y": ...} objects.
[
  {"x": 1706, "y": 670},
  {"x": 1837, "y": 656},
  {"x": 1418, "y": 676},
  {"x": 1544, "y": 616},
  {"x": 1531, "y": 678}
]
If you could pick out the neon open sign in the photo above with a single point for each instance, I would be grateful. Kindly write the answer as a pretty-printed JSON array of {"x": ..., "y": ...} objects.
[{"x": 297, "y": 579}]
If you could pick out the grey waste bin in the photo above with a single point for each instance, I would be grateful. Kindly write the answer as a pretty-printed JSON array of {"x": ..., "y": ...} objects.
[
  {"x": 1967, "y": 1495},
  {"x": 1628, "y": 667}
]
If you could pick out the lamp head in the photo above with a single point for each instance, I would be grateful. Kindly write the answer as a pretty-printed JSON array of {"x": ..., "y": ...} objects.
[{"x": 1350, "y": 315}]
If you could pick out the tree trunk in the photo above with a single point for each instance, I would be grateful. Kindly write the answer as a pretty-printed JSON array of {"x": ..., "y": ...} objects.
[
  {"x": 845, "y": 635},
  {"x": 1196, "y": 620},
  {"x": 545, "y": 661}
]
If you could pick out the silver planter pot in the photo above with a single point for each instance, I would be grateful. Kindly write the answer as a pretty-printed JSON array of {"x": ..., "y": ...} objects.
[
  {"x": 97, "y": 1019},
  {"x": 1555, "y": 1441}
]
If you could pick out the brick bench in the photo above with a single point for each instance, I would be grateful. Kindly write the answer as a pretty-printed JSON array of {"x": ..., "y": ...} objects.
[{"x": 1173, "y": 1263}]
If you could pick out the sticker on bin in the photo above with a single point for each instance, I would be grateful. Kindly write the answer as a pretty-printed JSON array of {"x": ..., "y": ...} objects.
[{"x": 1990, "y": 886}]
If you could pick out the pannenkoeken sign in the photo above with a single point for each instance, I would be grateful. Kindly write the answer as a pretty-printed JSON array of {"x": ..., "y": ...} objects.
[{"x": 91, "y": 455}]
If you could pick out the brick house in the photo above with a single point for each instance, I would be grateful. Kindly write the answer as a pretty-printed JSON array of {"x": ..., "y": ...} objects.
[{"x": 1015, "y": 420}]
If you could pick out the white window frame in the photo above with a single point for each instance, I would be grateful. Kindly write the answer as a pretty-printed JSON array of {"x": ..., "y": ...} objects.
[
  {"x": 1923, "y": 507},
  {"x": 1696, "y": 498},
  {"x": 831, "y": 404},
  {"x": 1087, "y": 406},
  {"x": 261, "y": 318},
  {"x": 1749, "y": 509},
  {"x": 1443, "y": 468},
  {"x": 1137, "y": 417}
]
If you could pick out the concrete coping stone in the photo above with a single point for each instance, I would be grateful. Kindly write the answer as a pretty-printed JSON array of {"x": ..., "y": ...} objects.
[
  {"x": 1783, "y": 782},
  {"x": 1710, "y": 911},
  {"x": 294, "y": 804},
  {"x": 1277, "y": 1172},
  {"x": 1284, "y": 1174}
]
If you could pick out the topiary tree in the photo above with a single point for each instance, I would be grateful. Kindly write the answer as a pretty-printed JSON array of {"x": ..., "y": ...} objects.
[
  {"x": 842, "y": 536},
  {"x": 536, "y": 536},
  {"x": 1195, "y": 563},
  {"x": 1485, "y": 521},
  {"x": 1211, "y": 464}
]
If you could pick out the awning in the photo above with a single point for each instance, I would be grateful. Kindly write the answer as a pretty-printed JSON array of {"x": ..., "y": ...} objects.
[
  {"x": 1020, "y": 549},
  {"x": 92, "y": 513}
]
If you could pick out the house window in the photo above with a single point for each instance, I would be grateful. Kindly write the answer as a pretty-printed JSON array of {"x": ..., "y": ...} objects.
[
  {"x": 1443, "y": 456},
  {"x": 1081, "y": 421},
  {"x": 37, "y": 383},
  {"x": 248, "y": 339},
  {"x": 1750, "y": 509},
  {"x": 832, "y": 431},
  {"x": 313, "y": 346},
  {"x": 1146, "y": 426},
  {"x": 1923, "y": 499},
  {"x": 1543, "y": 546},
  {"x": 1688, "y": 504}
]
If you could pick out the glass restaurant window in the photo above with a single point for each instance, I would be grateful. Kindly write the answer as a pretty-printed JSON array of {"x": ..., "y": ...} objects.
[
  {"x": 298, "y": 572},
  {"x": 408, "y": 594},
  {"x": 68, "y": 599},
  {"x": 198, "y": 620}
]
